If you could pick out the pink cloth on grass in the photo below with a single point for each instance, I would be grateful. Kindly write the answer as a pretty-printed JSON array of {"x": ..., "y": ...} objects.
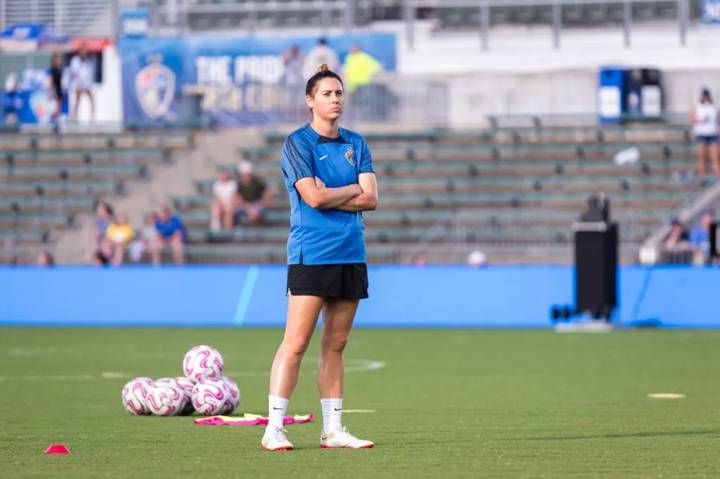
[{"x": 249, "y": 420}]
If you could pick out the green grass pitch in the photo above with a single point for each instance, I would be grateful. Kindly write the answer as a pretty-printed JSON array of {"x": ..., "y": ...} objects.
[{"x": 448, "y": 403}]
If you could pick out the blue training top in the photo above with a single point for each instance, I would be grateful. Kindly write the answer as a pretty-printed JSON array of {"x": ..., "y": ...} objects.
[{"x": 324, "y": 236}]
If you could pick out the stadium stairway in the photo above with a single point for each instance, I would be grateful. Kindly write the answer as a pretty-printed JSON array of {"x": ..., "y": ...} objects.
[{"x": 511, "y": 192}]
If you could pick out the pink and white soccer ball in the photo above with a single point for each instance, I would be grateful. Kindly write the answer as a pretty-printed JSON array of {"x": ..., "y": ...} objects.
[
  {"x": 166, "y": 398},
  {"x": 187, "y": 386},
  {"x": 210, "y": 397},
  {"x": 203, "y": 362},
  {"x": 134, "y": 395},
  {"x": 233, "y": 392}
]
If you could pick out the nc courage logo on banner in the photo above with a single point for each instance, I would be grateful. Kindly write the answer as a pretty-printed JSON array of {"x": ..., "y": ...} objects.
[{"x": 155, "y": 89}]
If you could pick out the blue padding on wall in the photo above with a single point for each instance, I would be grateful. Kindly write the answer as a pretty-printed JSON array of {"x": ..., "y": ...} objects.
[{"x": 400, "y": 296}]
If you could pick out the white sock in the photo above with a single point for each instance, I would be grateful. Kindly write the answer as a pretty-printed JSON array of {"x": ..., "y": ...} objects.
[
  {"x": 277, "y": 407},
  {"x": 332, "y": 413}
]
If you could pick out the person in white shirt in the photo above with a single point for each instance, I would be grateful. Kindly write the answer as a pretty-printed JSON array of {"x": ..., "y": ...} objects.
[
  {"x": 318, "y": 55},
  {"x": 82, "y": 76},
  {"x": 706, "y": 131},
  {"x": 225, "y": 201}
]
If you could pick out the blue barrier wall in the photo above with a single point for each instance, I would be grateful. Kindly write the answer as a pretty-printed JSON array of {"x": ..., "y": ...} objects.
[{"x": 400, "y": 296}]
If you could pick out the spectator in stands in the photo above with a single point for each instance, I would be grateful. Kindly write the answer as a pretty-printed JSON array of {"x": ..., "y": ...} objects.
[
  {"x": 293, "y": 82},
  {"x": 676, "y": 248},
  {"x": 254, "y": 195},
  {"x": 293, "y": 62},
  {"x": 103, "y": 218},
  {"x": 120, "y": 234},
  {"x": 46, "y": 259},
  {"x": 705, "y": 128},
  {"x": 319, "y": 54},
  {"x": 170, "y": 231},
  {"x": 100, "y": 259},
  {"x": 225, "y": 202},
  {"x": 700, "y": 234},
  {"x": 360, "y": 68},
  {"x": 677, "y": 238},
  {"x": 56, "y": 74},
  {"x": 144, "y": 239},
  {"x": 82, "y": 77},
  {"x": 11, "y": 102}
]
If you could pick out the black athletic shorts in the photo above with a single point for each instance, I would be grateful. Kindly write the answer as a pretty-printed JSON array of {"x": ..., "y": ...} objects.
[
  {"x": 346, "y": 281},
  {"x": 706, "y": 139}
]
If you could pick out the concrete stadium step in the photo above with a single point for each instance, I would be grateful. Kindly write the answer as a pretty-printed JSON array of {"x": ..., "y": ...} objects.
[
  {"x": 500, "y": 253},
  {"x": 527, "y": 234},
  {"x": 61, "y": 188},
  {"x": 559, "y": 152},
  {"x": 482, "y": 217},
  {"x": 97, "y": 172},
  {"x": 173, "y": 139},
  {"x": 608, "y": 185},
  {"x": 66, "y": 204},
  {"x": 25, "y": 235},
  {"x": 558, "y": 199},
  {"x": 30, "y": 220},
  {"x": 522, "y": 134},
  {"x": 430, "y": 167},
  {"x": 516, "y": 234},
  {"x": 469, "y": 174},
  {"x": 84, "y": 156}
]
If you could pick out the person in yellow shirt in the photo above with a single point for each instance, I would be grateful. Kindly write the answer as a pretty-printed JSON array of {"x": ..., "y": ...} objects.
[
  {"x": 119, "y": 233},
  {"x": 360, "y": 68}
]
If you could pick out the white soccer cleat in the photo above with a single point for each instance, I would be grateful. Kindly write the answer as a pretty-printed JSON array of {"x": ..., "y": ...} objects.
[
  {"x": 343, "y": 438},
  {"x": 275, "y": 439}
]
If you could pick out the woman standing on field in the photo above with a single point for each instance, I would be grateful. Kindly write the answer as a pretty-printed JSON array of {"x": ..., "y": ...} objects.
[{"x": 330, "y": 180}]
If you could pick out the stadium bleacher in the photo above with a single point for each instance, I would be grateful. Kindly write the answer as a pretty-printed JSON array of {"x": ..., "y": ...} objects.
[
  {"x": 49, "y": 179},
  {"x": 512, "y": 192}
]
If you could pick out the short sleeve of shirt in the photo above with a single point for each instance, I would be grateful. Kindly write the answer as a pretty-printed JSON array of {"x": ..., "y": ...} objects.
[
  {"x": 366, "y": 165},
  {"x": 296, "y": 160}
]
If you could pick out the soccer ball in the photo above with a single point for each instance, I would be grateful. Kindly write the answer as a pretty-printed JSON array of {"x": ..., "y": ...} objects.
[
  {"x": 203, "y": 362},
  {"x": 166, "y": 398},
  {"x": 233, "y": 392},
  {"x": 210, "y": 397},
  {"x": 134, "y": 395},
  {"x": 187, "y": 386}
]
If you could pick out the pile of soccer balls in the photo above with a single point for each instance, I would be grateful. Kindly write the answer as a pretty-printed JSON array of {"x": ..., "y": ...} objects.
[{"x": 203, "y": 389}]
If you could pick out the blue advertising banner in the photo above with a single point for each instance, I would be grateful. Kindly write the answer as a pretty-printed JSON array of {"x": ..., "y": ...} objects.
[
  {"x": 710, "y": 11},
  {"x": 238, "y": 81},
  {"x": 254, "y": 296},
  {"x": 31, "y": 100}
]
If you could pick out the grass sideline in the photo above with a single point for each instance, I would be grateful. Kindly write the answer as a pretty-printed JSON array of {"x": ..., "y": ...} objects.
[{"x": 449, "y": 403}]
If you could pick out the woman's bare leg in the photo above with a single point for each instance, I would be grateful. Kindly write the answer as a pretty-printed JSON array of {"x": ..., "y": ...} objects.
[
  {"x": 715, "y": 158},
  {"x": 338, "y": 317},
  {"x": 302, "y": 315},
  {"x": 701, "y": 159}
]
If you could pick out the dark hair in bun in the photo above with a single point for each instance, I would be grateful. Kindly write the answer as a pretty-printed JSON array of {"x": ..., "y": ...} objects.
[{"x": 323, "y": 72}]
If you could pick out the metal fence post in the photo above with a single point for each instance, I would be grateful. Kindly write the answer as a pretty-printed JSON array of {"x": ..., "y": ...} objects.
[
  {"x": 409, "y": 14},
  {"x": 682, "y": 17},
  {"x": 557, "y": 22},
  {"x": 350, "y": 6},
  {"x": 484, "y": 25},
  {"x": 627, "y": 22},
  {"x": 114, "y": 21}
]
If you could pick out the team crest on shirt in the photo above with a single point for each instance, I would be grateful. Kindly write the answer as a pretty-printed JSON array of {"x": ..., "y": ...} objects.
[{"x": 350, "y": 156}]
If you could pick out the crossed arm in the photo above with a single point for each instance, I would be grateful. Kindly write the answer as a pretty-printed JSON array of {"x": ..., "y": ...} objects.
[{"x": 358, "y": 197}]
